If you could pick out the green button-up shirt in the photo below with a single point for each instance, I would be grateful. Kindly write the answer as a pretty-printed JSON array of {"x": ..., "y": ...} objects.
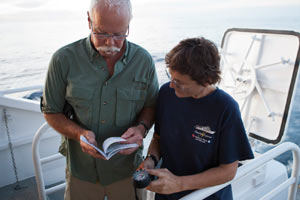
[{"x": 106, "y": 105}]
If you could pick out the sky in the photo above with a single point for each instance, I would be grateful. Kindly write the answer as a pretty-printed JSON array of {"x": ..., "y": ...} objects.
[
  {"x": 41, "y": 9},
  {"x": 31, "y": 30},
  {"x": 15, "y": 5}
]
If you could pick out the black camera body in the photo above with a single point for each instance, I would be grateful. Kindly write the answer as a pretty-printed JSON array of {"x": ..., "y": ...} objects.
[{"x": 141, "y": 179}]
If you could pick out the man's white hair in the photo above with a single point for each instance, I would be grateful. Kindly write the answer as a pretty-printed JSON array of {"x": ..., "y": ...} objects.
[{"x": 119, "y": 4}]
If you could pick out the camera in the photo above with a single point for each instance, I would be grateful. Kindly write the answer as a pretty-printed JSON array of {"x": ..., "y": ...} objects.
[{"x": 142, "y": 179}]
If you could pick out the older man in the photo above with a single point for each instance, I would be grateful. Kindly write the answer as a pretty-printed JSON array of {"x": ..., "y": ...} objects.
[{"x": 112, "y": 86}]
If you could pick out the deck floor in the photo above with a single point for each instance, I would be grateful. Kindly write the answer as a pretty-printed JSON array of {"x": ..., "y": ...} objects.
[{"x": 27, "y": 191}]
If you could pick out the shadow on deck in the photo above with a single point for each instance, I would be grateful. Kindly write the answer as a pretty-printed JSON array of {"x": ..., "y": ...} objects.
[{"x": 27, "y": 191}]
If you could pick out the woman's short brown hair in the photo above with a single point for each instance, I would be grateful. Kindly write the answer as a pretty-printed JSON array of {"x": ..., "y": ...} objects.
[{"x": 198, "y": 58}]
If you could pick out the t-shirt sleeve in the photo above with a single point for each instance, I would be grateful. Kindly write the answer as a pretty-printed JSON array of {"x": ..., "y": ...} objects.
[
  {"x": 234, "y": 144},
  {"x": 55, "y": 87}
]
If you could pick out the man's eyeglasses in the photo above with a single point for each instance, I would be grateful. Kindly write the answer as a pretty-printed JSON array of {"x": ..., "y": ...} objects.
[
  {"x": 176, "y": 84},
  {"x": 101, "y": 36}
]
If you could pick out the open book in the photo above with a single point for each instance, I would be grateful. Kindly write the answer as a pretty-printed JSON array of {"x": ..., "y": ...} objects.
[{"x": 111, "y": 146}]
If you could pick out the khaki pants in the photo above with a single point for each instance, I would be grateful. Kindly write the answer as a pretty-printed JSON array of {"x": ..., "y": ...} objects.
[{"x": 77, "y": 189}]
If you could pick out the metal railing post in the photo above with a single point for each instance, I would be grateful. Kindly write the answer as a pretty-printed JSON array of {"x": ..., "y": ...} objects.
[
  {"x": 37, "y": 161},
  {"x": 295, "y": 172}
]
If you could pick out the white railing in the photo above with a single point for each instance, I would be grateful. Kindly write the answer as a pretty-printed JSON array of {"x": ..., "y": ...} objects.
[
  {"x": 37, "y": 162},
  {"x": 242, "y": 171},
  {"x": 10, "y": 99},
  {"x": 17, "y": 90},
  {"x": 247, "y": 168}
]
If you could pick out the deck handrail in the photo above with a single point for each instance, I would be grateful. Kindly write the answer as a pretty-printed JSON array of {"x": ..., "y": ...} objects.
[
  {"x": 17, "y": 90},
  {"x": 247, "y": 168},
  {"x": 38, "y": 161},
  {"x": 242, "y": 171}
]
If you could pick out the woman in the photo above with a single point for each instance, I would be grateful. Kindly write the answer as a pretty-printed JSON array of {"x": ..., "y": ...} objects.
[{"x": 199, "y": 133}]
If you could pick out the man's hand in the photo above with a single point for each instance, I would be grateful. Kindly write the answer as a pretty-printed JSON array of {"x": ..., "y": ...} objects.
[
  {"x": 167, "y": 182},
  {"x": 134, "y": 134},
  {"x": 72, "y": 130},
  {"x": 90, "y": 136}
]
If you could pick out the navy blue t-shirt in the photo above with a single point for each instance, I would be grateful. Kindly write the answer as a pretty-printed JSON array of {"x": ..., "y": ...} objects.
[{"x": 198, "y": 134}]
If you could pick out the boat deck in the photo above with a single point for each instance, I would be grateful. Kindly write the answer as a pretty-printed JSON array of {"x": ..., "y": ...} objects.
[{"x": 27, "y": 191}]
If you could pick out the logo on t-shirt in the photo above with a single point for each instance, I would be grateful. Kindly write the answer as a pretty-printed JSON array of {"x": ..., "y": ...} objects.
[{"x": 203, "y": 134}]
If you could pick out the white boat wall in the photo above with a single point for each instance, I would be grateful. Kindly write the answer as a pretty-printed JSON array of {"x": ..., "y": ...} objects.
[
  {"x": 259, "y": 69},
  {"x": 20, "y": 119}
]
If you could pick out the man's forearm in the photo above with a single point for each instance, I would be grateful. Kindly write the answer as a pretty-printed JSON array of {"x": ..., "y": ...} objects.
[
  {"x": 154, "y": 148},
  {"x": 147, "y": 116},
  {"x": 63, "y": 125}
]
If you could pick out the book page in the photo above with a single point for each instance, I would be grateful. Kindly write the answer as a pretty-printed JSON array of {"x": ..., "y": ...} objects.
[
  {"x": 116, "y": 147},
  {"x": 111, "y": 146},
  {"x": 110, "y": 141},
  {"x": 82, "y": 138}
]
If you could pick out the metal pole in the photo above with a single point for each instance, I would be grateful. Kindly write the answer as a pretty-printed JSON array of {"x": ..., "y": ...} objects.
[{"x": 37, "y": 161}]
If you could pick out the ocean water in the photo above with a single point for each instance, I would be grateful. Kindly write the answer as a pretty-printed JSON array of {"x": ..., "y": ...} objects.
[{"x": 27, "y": 42}]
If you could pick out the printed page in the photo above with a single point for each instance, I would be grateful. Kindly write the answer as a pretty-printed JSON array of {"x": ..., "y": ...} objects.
[
  {"x": 82, "y": 138},
  {"x": 112, "y": 145},
  {"x": 116, "y": 147},
  {"x": 110, "y": 141}
]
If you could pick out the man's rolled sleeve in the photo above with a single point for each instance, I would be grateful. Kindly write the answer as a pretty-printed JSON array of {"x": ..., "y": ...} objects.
[{"x": 55, "y": 86}]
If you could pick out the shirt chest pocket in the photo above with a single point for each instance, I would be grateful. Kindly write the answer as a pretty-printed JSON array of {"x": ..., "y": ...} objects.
[
  {"x": 129, "y": 104},
  {"x": 81, "y": 101}
]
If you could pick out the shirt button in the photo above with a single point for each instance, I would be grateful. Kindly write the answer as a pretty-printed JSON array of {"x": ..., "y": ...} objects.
[
  {"x": 103, "y": 68},
  {"x": 105, "y": 83},
  {"x": 104, "y": 103},
  {"x": 103, "y": 121}
]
